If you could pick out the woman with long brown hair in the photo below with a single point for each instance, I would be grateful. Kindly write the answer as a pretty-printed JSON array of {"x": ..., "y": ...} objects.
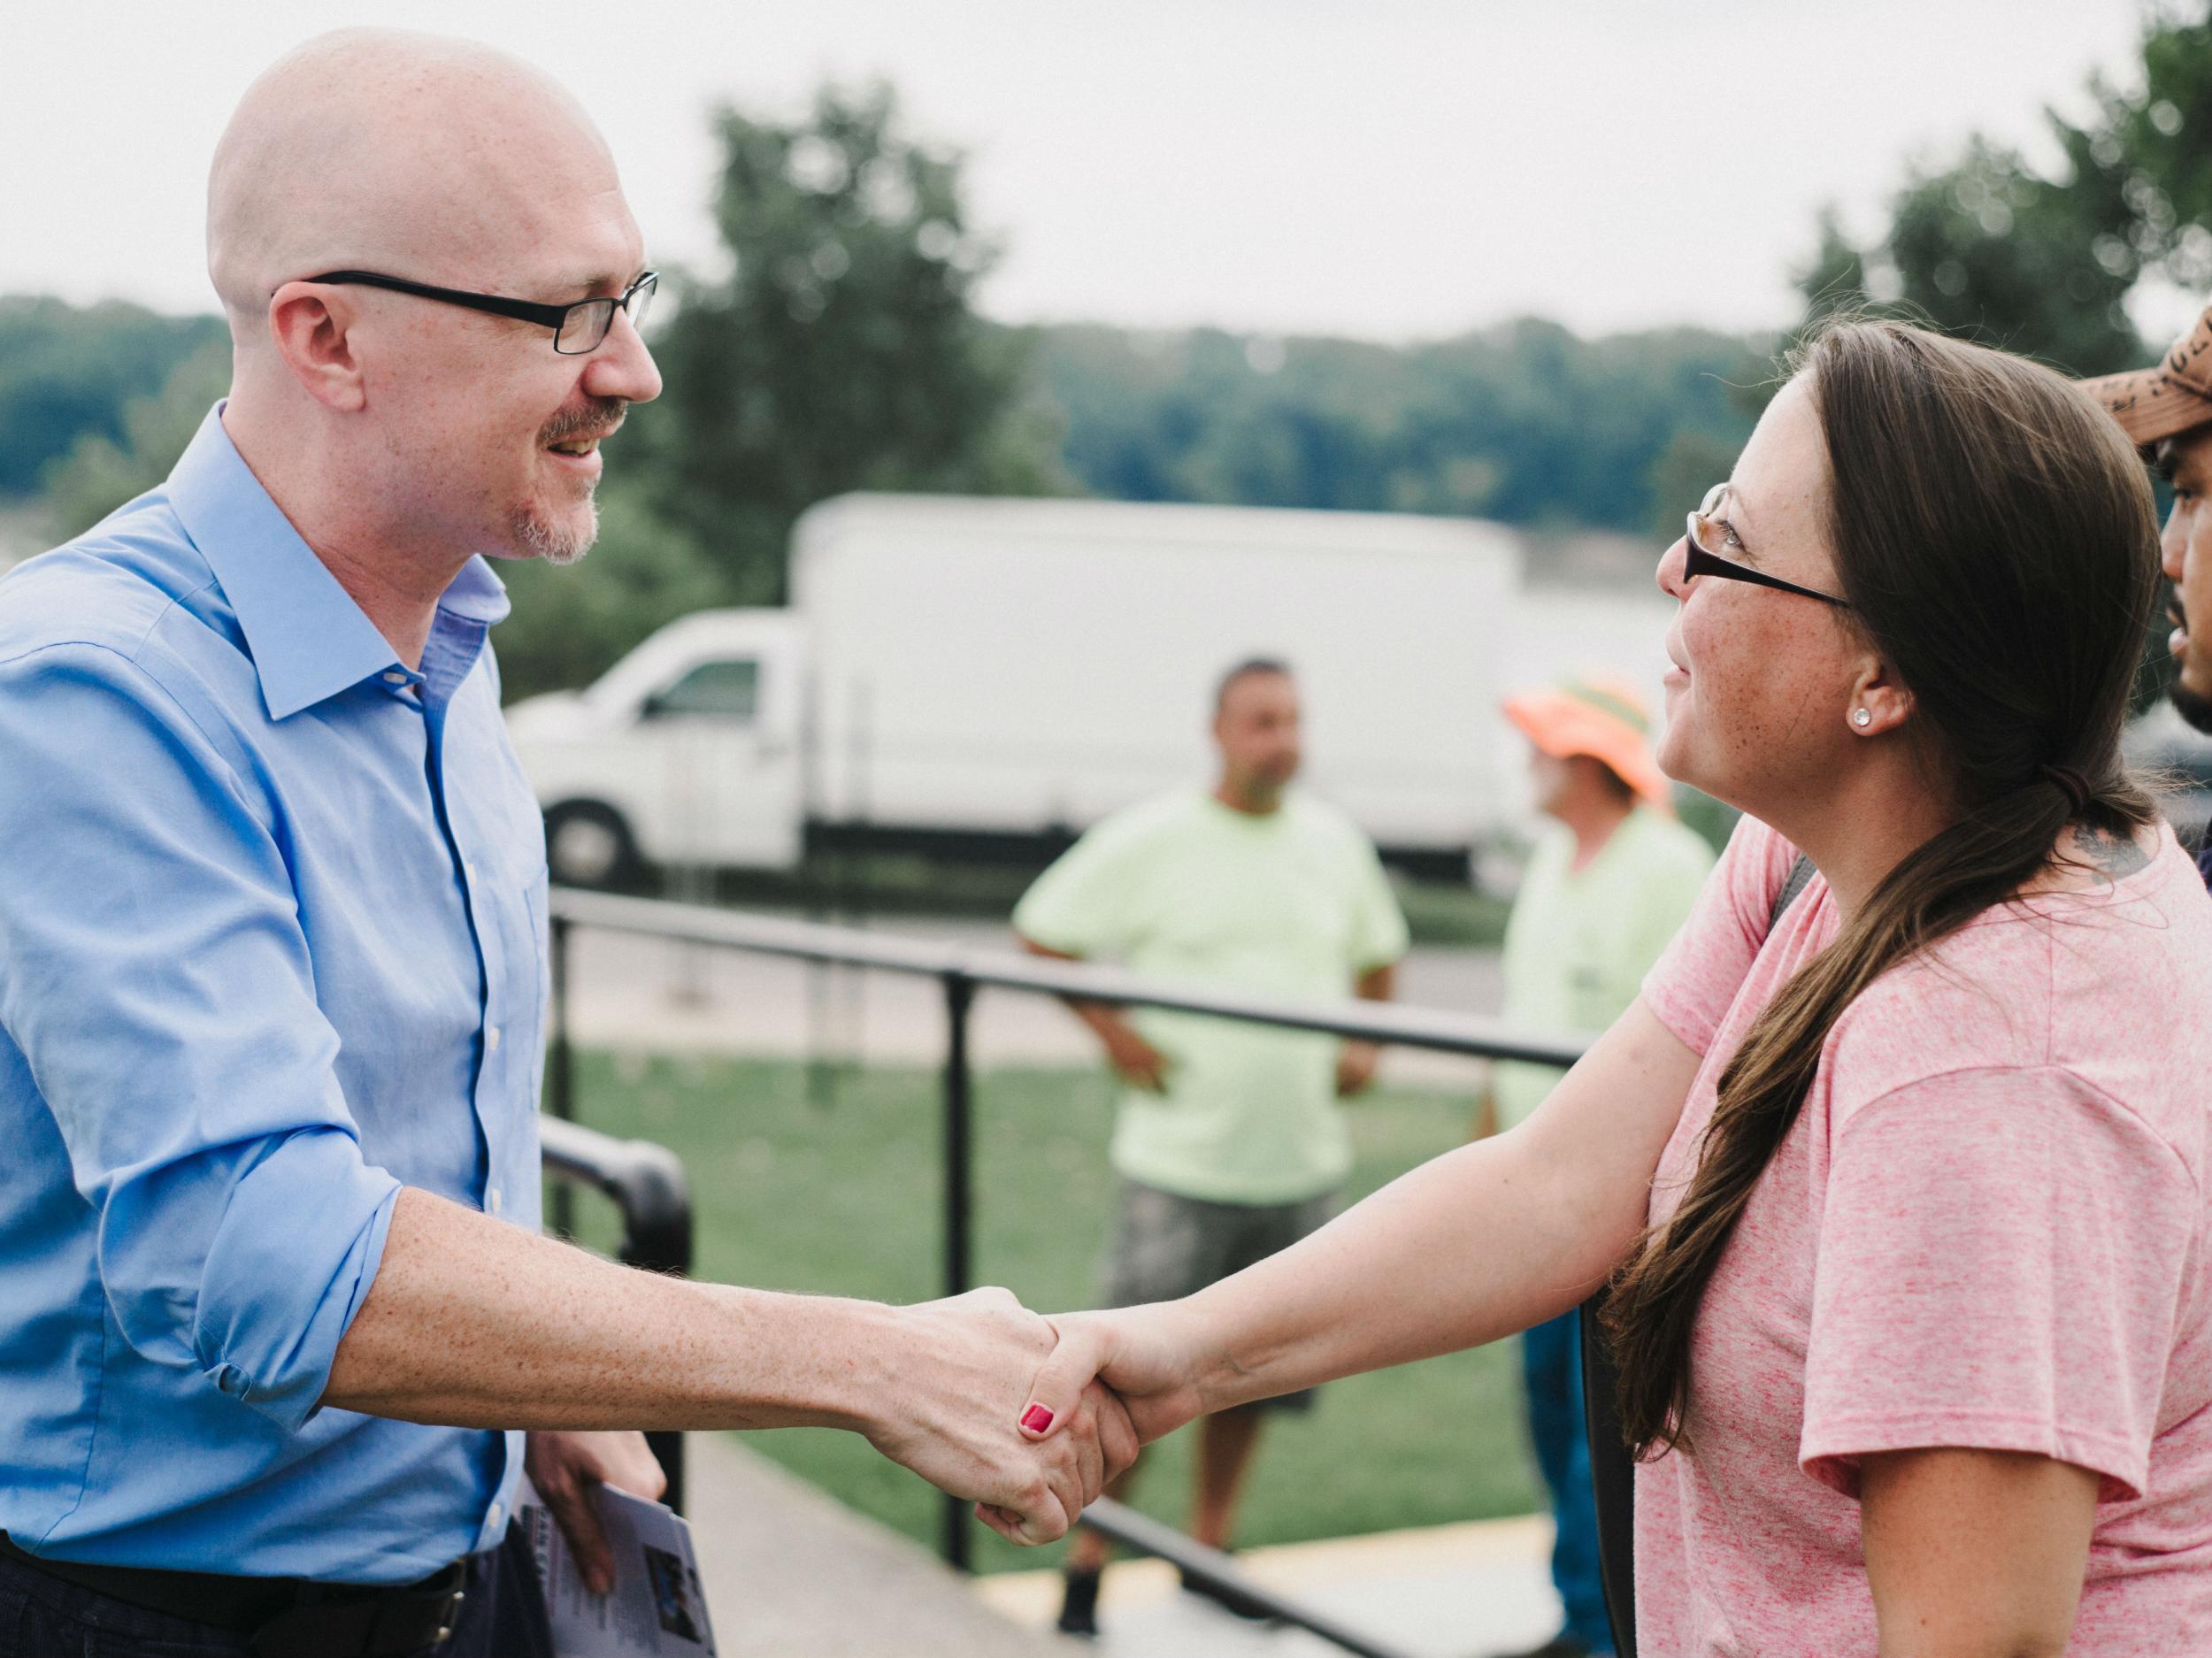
[{"x": 1900, "y": 1179}]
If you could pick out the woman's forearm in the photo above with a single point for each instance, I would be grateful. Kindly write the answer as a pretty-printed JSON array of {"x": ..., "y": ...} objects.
[{"x": 1482, "y": 1241}]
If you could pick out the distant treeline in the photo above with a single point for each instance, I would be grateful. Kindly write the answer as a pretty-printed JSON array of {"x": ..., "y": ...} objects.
[
  {"x": 1527, "y": 423},
  {"x": 67, "y": 373},
  {"x": 841, "y": 348}
]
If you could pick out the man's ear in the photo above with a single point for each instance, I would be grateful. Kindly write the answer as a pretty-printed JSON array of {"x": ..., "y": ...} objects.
[{"x": 311, "y": 327}]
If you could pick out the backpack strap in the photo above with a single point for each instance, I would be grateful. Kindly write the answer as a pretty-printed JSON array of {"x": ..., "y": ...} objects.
[
  {"x": 1800, "y": 877},
  {"x": 1612, "y": 1470},
  {"x": 1613, "y": 1474}
]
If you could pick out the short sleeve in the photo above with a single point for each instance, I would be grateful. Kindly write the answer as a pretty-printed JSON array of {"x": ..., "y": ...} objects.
[
  {"x": 1082, "y": 905},
  {"x": 2001, "y": 1257},
  {"x": 1379, "y": 926},
  {"x": 1693, "y": 982}
]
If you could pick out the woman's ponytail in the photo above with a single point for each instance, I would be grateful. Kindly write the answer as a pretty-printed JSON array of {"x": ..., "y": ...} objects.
[{"x": 1995, "y": 536}]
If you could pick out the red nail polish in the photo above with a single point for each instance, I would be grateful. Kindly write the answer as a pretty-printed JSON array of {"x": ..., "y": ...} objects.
[{"x": 1036, "y": 1418}]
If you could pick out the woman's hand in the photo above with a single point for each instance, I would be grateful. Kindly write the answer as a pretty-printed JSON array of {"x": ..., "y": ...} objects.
[
  {"x": 1146, "y": 1354},
  {"x": 963, "y": 1369},
  {"x": 1131, "y": 1363}
]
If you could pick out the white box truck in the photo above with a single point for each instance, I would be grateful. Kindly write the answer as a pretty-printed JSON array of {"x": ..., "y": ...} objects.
[{"x": 988, "y": 677}]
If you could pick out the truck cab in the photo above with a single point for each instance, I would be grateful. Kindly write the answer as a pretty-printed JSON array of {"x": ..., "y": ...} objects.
[{"x": 686, "y": 752}]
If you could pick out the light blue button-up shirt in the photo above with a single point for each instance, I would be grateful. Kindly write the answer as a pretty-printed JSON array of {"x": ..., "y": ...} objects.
[{"x": 272, "y": 946}]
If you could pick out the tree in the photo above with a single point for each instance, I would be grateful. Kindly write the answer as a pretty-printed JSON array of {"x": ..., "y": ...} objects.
[
  {"x": 842, "y": 351},
  {"x": 1987, "y": 248},
  {"x": 1527, "y": 423},
  {"x": 68, "y": 370},
  {"x": 2141, "y": 172},
  {"x": 100, "y": 474}
]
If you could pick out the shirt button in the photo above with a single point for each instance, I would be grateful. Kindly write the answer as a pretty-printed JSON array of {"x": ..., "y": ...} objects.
[
  {"x": 493, "y": 1518},
  {"x": 491, "y": 1037},
  {"x": 468, "y": 870},
  {"x": 491, "y": 1201},
  {"x": 395, "y": 678}
]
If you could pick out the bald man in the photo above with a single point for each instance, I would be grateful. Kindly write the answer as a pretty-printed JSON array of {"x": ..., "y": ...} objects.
[{"x": 282, "y": 1332}]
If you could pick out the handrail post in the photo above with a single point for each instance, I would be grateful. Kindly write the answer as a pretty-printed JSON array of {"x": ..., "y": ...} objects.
[
  {"x": 560, "y": 1067},
  {"x": 959, "y": 1102},
  {"x": 648, "y": 1186},
  {"x": 657, "y": 1235}
]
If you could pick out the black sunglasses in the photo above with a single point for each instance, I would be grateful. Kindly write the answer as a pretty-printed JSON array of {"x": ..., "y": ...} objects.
[
  {"x": 1698, "y": 559},
  {"x": 577, "y": 328}
]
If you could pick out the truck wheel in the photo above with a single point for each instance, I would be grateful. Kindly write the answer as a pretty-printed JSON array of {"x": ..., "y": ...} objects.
[{"x": 588, "y": 844}]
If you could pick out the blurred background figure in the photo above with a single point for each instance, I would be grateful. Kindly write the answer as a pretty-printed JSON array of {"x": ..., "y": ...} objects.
[
  {"x": 1612, "y": 878},
  {"x": 1228, "y": 1141}
]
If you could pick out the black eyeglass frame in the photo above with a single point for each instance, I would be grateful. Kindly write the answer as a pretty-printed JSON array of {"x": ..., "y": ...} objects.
[
  {"x": 633, "y": 300},
  {"x": 1700, "y": 560}
]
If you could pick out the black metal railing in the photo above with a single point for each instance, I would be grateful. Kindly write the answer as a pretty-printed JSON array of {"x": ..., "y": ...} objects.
[
  {"x": 1142, "y": 1534},
  {"x": 963, "y": 971},
  {"x": 647, "y": 1185}
]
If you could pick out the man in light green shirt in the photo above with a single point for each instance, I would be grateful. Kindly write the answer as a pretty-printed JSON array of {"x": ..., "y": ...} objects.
[
  {"x": 1228, "y": 1139},
  {"x": 1613, "y": 878}
]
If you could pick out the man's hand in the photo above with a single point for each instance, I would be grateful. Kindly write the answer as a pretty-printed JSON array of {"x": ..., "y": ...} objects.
[
  {"x": 1135, "y": 1060},
  {"x": 954, "y": 1414},
  {"x": 1356, "y": 1065},
  {"x": 566, "y": 1467}
]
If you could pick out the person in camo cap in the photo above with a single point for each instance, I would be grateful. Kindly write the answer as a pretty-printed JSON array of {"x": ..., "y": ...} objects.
[{"x": 2167, "y": 412}]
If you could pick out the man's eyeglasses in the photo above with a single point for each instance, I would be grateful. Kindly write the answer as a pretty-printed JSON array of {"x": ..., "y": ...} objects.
[
  {"x": 577, "y": 328},
  {"x": 1700, "y": 559}
]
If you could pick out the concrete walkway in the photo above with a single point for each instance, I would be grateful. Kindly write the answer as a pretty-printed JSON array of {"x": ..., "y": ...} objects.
[
  {"x": 791, "y": 1573},
  {"x": 1442, "y": 1591}
]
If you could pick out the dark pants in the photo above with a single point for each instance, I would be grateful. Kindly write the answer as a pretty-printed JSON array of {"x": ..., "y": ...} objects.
[
  {"x": 502, "y": 1616},
  {"x": 1551, "y": 1365}
]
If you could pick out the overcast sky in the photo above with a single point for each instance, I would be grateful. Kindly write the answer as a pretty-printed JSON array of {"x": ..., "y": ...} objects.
[{"x": 1388, "y": 168}]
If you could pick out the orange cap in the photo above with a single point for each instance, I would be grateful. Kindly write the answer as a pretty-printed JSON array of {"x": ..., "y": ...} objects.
[
  {"x": 1599, "y": 716},
  {"x": 2152, "y": 403}
]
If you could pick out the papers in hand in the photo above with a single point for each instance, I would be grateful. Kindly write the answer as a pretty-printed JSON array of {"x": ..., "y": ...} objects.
[{"x": 657, "y": 1605}]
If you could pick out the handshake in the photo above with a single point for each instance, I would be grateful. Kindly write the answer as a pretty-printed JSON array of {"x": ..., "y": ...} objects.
[{"x": 1026, "y": 1417}]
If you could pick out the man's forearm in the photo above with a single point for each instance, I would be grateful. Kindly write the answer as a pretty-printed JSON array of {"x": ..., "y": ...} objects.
[
  {"x": 1105, "y": 1022},
  {"x": 1377, "y": 984},
  {"x": 473, "y": 1322},
  {"x": 1110, "y": 1025}
]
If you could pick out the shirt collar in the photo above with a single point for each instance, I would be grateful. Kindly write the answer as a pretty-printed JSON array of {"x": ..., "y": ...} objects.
[{"x": 308, "y": 638}]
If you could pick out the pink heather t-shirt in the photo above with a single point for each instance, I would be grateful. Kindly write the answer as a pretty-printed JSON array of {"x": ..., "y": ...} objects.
[{"x": 1986, "y": 1228}]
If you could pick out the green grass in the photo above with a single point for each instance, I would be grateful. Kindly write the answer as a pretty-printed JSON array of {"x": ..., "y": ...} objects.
[{"x": 842, "y": 1196}]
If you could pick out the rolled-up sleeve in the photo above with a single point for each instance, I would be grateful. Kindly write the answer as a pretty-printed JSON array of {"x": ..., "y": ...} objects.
[{"x": 159, "y": 982}]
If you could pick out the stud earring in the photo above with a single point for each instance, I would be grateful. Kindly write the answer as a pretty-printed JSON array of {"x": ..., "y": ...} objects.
[{"x": 1863, "y": 718}]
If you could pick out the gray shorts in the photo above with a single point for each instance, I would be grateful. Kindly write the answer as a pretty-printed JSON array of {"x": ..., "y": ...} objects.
[{"x": 1165, "y": 1246}]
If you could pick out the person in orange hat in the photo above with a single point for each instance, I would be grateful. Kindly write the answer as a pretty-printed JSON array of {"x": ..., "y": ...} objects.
[
  {"x": 1611, "y": 879},
  {"x": 2167, "y": 411}
]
